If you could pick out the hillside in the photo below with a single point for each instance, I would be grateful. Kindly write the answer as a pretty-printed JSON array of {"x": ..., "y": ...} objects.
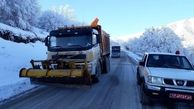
[
  {"x": 15, "y": 56},
  {"x": 18, "y": 35}
]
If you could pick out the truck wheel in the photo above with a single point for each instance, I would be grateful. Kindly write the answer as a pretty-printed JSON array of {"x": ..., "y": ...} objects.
[
  {"x": 95, "y": 78},
  {"x": 98, "y": 69},
  {"x": 144, "y": 99},
  {"x": 106, "y": 65}
]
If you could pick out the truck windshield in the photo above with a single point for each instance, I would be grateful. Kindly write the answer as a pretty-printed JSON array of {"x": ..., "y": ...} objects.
[
  {"x": 115, "y": 48},
  {"x": 70, "y": 42},
  {"x": 168, "y": 61}
]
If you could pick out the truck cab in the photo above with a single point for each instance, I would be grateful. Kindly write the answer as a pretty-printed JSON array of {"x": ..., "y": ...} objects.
[{"x": 75, "y": 44}]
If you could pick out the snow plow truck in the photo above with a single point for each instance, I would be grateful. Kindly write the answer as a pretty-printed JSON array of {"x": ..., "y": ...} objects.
[{"x": 74, "y": 53}]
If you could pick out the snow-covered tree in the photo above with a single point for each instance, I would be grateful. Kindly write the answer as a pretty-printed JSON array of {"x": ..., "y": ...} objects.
[
  {"x": 2, "y": 4},
  {"x": 51, "y": 20},
  {"x": 66, "y": 10},
  {"x": 4, "y": 10},
  {"x": 156, "y": 40},
  {"x": 19, "y": 13}
]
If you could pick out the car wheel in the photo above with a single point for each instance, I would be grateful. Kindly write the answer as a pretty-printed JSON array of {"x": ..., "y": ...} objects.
[{"x": 144, "y": 99}]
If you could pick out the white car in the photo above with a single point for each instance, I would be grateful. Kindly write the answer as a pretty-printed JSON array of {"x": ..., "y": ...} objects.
[{"x": 165, "y": 76}]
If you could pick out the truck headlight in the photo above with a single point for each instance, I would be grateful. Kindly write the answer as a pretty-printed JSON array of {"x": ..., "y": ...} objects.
[
  {"x": 90, "y": 56},
  {"x": 155, "y": 80}
]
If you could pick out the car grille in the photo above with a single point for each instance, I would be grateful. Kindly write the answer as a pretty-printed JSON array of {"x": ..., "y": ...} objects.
[
  {"x": 168, "y": 81},
  {"x": 179, "y": 82},
  {"x": 190, "y": 83}
]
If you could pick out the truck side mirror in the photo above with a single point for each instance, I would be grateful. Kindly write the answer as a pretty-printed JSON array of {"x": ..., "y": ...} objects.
[
  {"x": 46, "y": 41},
  {"x": 98, "y": 38},
  {"x": 94, "y": 39},
  {"x": 141, "y": 63}
]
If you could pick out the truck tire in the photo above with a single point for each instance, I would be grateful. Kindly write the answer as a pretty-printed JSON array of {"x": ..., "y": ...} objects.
[
  {"x": 95, "y": 78},
  {"x": 144, "y": 99},
  {"x": 106, "y": 65}
]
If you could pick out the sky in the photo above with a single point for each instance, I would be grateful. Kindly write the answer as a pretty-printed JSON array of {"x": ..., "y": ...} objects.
[{"x": 125, "y": 17}]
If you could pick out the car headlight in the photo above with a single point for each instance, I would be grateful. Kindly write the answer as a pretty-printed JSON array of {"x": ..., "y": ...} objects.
[{"x": 155, "y": 80}]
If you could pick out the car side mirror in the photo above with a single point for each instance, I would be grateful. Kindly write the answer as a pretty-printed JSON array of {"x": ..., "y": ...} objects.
[{"x": 141, "y": 63}]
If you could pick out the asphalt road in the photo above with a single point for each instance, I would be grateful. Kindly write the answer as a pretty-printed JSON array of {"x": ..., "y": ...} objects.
[{"x": 116, "y": 90}]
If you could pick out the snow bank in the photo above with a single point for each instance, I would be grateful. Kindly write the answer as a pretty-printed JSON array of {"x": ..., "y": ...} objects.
[
  {"x": 10, "y": 90},
  {"x": 136, "y": 57},
  {"x": 15, "y": 56},
  {"x": 35, "y": 33},
  {"x": 39, "y": 32},
  {"x": 16, "y": 31}
]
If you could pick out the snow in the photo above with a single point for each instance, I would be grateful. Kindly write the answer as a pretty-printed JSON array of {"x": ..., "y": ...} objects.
[
  {"x": 174, "y": 36},
  {"x": 114, "y": 41},
  {"x": 39, "y": 32},
  {"x": 156, "y": 40},
  {"x": 125, "y": 38},
  {"x": 185, "y": 29},
  {"x": 8, "y": 91},
  {"x": 136, "y": 57},
  {"x": 19, "y": 13},
  {"x": 18, "y": 32},
  {"x": 51, "y": 20},
  {"x": 15, "y": 56}
]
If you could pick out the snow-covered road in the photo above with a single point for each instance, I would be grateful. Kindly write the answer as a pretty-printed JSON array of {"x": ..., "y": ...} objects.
[{"x": 116, "y": 90}]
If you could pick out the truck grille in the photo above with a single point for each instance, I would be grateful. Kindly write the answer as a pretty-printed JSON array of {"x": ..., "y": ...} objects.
[{"x": 80, "y": 56}]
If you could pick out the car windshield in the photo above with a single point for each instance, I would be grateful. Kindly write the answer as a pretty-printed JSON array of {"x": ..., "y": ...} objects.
[
  {"x": 168, "y": 61},
  {"x": 70, "y": 41}
]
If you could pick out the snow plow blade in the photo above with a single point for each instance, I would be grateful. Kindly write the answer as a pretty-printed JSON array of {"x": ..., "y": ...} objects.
[
  {"x": 51, "y": 71},
  {"x": 38, "y": 73}
]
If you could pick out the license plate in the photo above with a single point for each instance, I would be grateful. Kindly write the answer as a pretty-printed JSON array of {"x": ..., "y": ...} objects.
[{"x": 180, "y": 96}]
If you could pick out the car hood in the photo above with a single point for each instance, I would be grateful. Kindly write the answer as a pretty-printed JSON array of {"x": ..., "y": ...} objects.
[{"x": 172, "y": 73}]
